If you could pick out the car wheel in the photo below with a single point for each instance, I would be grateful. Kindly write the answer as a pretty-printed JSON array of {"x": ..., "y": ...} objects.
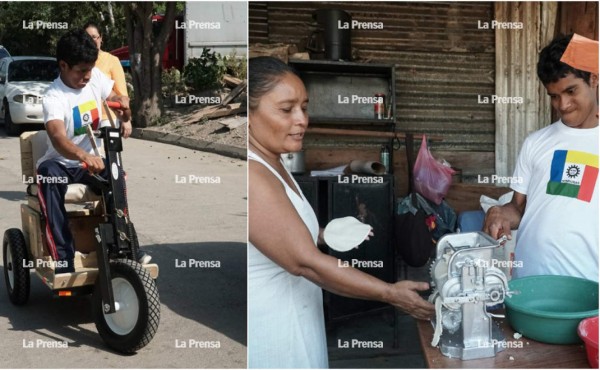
[{"x": 9, "y": 125}]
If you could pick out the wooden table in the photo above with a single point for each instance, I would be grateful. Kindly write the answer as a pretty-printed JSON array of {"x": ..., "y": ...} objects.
[{"x": 532, "y": 355}]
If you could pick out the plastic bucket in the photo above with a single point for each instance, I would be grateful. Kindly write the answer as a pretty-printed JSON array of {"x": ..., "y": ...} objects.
[
  {"x": 588, "y": 332},
  {"x": 549, "y": 308}
]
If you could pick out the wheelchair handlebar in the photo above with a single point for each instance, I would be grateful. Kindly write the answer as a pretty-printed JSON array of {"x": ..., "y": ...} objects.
[{"x": 113, "y": 104}]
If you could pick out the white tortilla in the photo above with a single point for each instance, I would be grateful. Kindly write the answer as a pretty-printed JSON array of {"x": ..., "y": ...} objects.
[{"x": 343, "y": 234}]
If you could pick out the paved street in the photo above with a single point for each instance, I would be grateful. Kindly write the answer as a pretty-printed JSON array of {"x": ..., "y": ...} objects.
[{"x": 175, "y": 222}]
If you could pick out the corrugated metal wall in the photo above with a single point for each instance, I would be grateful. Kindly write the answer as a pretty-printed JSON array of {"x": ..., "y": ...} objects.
[
  {"x": 258, "y": 25},
  {"x": 443, "y": 63},
  {"x": 516, "y": 76}
]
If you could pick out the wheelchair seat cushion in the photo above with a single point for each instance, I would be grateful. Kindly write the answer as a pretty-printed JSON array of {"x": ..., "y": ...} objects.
[{"x": 76, "y": 193}]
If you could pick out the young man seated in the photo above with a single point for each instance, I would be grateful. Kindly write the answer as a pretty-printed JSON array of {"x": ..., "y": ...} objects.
[{"x": 72, "y": 102}]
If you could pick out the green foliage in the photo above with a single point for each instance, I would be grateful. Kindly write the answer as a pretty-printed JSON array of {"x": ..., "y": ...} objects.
[
  {"x": 42, "y": 41},
  {"x": 113, "y": 36},
  {"x": 235, "y": 66},
  {"x": 205, "y": 72},
  {"x": 161, "y": 8},
  {"x": 172, "y": 83}
]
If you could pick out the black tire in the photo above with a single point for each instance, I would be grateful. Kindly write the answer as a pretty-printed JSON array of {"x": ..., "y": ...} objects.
[
  {"x": 9, "y": 125},
  {"x": 135, "y": 245},
  {"x": 134, "y": 325},
  {"x": 16, "y": 276}
]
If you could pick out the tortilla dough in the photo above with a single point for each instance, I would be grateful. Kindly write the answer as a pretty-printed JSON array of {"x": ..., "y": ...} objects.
[{"x": 346, "y": 233}]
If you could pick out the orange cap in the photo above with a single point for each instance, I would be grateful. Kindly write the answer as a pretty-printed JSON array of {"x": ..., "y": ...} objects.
[{"x": 582, "y": 53}]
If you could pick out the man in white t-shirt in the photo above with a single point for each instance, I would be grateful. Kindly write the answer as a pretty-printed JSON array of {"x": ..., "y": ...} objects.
[
  {"x": 555, "y": 203},
  {"x": 73, "y": 101}
]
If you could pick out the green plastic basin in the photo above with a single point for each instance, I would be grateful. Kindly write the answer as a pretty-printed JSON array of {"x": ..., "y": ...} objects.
[{"x": 549, "y": 307}]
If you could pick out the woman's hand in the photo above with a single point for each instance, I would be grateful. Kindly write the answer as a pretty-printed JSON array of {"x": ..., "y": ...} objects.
[{"x": 404, "y": 296}]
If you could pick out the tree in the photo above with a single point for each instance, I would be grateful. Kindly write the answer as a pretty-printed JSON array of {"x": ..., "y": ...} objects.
[
  {"x": 146, "y": 53},
  {"x": 59, "y": 18}
]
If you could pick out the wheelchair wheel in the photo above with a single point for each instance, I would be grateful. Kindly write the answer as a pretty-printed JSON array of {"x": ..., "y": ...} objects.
[
  {"x": 136, "y": 320},
  {"x": 16, "y": 275}
]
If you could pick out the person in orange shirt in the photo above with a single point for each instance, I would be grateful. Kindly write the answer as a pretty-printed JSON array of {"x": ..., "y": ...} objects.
[{"x": 111, "y": 67}]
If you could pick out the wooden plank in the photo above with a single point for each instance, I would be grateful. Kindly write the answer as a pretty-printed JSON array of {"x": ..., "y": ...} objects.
[
  {"x": 344, "y": 132},
  {"x": 471, "y": 163},
  {"x": 317, "y": 158},
  {"x": 27, "y": 165},
  {"x": 280, "y": 51},
  {"x": 234, "y": 122},
  {"x": 231, "y": 81},
  {"x": 532, "y": 354},
  {"x": 579, "y": 17},
  {"x": 465, "y": 197},
  {"x": 216, "y": 111},
  {"x": 462, "y": 196},
  {"x": 229, "y": 110},
  {"x": 234, "y": 93}
]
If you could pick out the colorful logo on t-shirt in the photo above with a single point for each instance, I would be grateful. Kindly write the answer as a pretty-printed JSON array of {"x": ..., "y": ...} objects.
[
  {"x": 573, "y": 174},
  {"x": 85, "y": 114}
]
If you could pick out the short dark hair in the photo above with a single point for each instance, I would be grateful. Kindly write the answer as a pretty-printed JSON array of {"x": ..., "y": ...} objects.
[
  {"x": 263, "y": 75},
  {"x": 76, "y": 47},
  {"x": 550, "y": 69},
  {"x": 94, "y": 25}
]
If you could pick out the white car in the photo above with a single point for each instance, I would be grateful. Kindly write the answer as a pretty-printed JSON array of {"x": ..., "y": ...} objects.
[
  {"x": 23, "y": 81},
  {"x": 3, "y": 52}
]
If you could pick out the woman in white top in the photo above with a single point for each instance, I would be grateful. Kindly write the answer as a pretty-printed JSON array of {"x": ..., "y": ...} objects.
[{"x": 286, "y": 270}]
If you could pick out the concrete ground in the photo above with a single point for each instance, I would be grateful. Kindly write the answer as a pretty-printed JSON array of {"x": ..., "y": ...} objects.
[{"x": 175, "y": 222}]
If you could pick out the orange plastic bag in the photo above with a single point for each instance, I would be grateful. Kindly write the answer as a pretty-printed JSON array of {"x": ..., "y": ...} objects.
[{"x": 431, "y": 178}]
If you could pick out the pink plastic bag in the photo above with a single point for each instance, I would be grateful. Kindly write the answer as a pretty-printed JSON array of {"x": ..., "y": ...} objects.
[{"x": 431, "y": 178}]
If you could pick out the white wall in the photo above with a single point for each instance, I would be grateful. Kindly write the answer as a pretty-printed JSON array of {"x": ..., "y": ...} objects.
[{"x": 232, "y": 35}]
